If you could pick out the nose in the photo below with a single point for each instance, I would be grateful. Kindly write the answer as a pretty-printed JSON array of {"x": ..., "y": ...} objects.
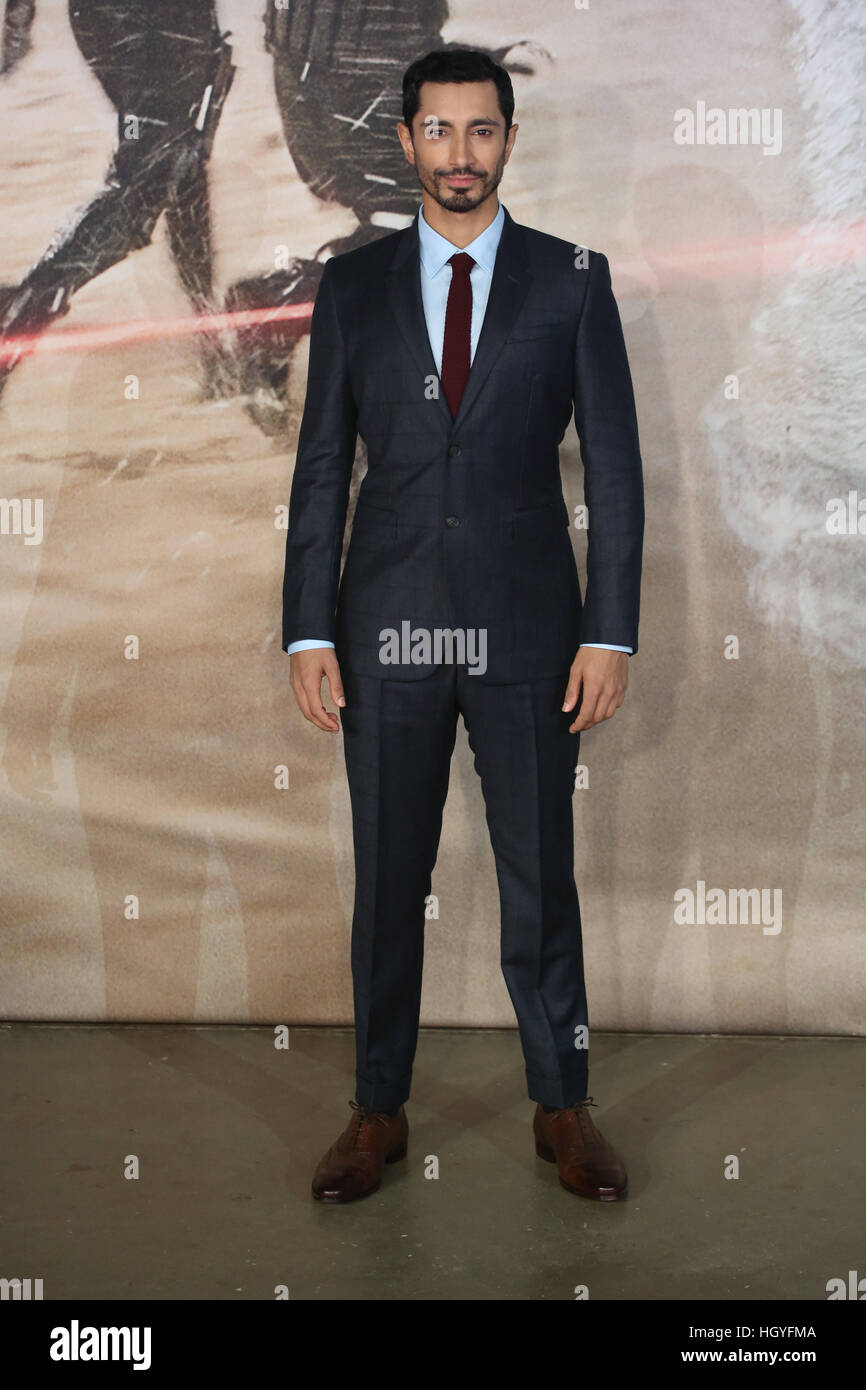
[{"x": 459, "y": 151}]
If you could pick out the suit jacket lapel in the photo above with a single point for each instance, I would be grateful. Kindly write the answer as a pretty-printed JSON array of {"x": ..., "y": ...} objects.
[
  {"x": 508, "y": 289},
  {"x": 403, "y": 287}
]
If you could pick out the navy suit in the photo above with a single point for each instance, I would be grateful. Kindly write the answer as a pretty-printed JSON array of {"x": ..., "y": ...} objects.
[{"x": 461, "y": 524}]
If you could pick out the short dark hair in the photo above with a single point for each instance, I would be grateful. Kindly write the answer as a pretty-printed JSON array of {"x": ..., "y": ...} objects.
[{"x": 455, "y": 64}]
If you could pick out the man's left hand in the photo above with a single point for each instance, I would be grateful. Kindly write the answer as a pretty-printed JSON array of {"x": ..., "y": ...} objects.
[{"x": 603, "y": 677}]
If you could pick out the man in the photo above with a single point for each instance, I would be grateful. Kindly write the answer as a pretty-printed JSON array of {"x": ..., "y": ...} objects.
[{"x": 457, "y": 348}]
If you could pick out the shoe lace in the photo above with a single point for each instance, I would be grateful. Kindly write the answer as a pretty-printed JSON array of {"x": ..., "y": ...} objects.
[
  {"x": 363, "y": 1115},
  {"x": 584, "y": 1118},
  {"x": 577, "y": 1105}
]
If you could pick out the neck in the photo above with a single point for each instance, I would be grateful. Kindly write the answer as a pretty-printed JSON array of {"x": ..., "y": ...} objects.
[{"x": 460, "y": 227}]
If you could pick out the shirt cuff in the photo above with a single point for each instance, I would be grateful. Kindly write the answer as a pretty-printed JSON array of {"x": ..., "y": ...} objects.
[
  {"x": 307, "y": 645},
  {"x": 608, "y": 647}
]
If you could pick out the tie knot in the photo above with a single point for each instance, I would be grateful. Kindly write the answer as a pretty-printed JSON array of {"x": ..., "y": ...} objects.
[{"x": 461, "y": 263}]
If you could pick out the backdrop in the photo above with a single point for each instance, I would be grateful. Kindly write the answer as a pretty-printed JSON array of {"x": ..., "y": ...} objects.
[{"x": 176, "y": 839}]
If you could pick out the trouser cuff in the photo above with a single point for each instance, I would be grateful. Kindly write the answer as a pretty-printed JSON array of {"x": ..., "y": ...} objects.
[
  {"x": 556, "y": 1091},
  {"x": 382, "y": 1095}
]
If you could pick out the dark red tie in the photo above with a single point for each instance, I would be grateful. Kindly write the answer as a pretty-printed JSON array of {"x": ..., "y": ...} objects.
[{"x": 458, "y": 324}]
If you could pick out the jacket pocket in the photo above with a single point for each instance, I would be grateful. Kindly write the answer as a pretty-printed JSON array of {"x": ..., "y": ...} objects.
[{"x": 376, "y": 522}]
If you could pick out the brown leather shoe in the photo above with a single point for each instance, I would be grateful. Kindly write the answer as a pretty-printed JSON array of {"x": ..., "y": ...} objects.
[
  {"x": 587, "y": 1163},
  {"x": 352, "y": 1167}
]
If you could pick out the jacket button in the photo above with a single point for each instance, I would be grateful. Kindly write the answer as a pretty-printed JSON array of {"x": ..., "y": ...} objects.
[
  {"x": 454, "y": 451},
  {"x": 452, "y": 521}
]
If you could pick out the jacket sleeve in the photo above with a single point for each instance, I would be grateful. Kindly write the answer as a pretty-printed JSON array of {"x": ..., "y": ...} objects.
[
  {"x": 320, "y": 486},
  {"x": 606, "y": 422}
]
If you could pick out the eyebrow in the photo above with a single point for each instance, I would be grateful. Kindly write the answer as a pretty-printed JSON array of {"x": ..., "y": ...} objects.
[{"x": 477, "y": 120}]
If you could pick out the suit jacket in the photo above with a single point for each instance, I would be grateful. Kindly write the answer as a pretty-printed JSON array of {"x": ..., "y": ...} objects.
[{"x": 461, "y": 523}]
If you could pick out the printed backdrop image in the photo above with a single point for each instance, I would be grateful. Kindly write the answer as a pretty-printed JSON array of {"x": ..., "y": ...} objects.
[{"x": 177, "y": 840}]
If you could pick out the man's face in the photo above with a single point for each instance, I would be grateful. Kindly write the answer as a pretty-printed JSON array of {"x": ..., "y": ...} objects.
[{"x": 458, "y": 143}]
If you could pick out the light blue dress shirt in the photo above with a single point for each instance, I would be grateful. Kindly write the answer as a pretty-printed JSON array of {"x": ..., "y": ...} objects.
[{"x": 435, "y": 284}]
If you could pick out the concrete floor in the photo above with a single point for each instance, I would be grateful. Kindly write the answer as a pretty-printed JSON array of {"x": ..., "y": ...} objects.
[{"x": 227, "y": 1131}]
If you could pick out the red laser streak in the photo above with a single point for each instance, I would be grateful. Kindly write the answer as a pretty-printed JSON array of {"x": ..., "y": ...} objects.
[
  {"x": 140, "y": 330},
  {"x": 814, "y": 248}
]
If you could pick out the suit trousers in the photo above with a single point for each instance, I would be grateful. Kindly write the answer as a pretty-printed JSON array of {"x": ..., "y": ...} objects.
[{"x": 398, "y": 740}]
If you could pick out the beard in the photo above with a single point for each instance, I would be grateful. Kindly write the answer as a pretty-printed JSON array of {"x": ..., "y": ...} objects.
[{"x": 461, "y": 199}]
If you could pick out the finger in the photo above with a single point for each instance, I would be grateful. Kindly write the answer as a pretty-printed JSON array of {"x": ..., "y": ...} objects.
[
  {"x": 308, "y": 696},
  {"x": 335, "y": 685},
  {"x": 609, "y": 702},
  {"x": 586, "y": 717},
  {"x": 607, "y": 708},
  {"x": 572, "y": 691},
  {"x": 321, "y": 717},
  {"x": 301, "y": 698}
]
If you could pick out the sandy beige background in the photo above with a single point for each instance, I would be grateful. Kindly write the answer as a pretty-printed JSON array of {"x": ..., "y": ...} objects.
[{"x": 156, "y": 777}]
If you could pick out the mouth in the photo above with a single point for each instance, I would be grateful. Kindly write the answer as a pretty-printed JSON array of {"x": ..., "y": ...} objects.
[{"x": 461, "y": 180}]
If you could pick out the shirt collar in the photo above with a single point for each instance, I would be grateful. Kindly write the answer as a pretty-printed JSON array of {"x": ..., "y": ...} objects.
[{"x": 436, "y": 249}]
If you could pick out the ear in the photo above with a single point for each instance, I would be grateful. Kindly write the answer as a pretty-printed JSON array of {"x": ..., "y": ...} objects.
[{"x": 404, "y": 135}]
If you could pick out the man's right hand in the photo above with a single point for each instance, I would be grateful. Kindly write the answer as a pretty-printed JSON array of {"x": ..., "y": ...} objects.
[{"x": 307, "y": 670}]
